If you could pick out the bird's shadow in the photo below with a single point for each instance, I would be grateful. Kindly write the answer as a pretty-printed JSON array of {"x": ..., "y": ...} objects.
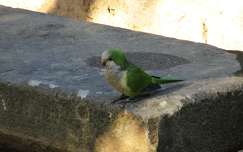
[{"x": 165, "y": 89}]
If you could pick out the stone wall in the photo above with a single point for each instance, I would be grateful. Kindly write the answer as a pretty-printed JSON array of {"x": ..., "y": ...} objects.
[
  {"x": 212, "y": 22},
  {"x": 218, "y": 23}
]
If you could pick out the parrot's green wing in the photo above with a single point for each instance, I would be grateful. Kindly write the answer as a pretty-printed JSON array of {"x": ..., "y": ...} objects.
[
  {"x": 163, "y": 80},
  {"x": 137, "y": 80}
]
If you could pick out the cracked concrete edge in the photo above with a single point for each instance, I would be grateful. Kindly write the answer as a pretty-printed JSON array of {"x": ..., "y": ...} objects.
[
  {"x": 31, "y": 116},
  {"x": 191, "y": 92},
  {"x": 142, "y": 120},
  {"x": 176, "y": 109},
  {"x": 153, "y": 113}
]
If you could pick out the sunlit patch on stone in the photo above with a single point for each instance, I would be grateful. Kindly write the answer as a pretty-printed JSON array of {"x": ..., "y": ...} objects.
[
  {"x": 127, "y": 134},
  {"x": 4, "y": 105},
  {"x": 83, "y": 93},
  {"x": 52, "y": 86},
  {"x": 34, "y": 83}
]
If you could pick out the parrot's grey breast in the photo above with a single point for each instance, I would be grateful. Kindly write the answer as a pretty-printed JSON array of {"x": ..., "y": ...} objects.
[{"x": 115, "y": 76}]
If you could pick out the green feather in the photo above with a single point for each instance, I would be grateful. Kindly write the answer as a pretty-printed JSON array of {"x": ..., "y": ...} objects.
[
  {"x": 137, "y": 80},
  {"x": 119, "y": 57}
]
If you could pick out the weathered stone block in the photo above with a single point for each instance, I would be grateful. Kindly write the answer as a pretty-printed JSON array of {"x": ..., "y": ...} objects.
[{"x": 53, "y": 96}]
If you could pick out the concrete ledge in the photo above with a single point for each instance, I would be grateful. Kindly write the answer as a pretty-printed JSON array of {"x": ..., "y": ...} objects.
[
  {"x": 53, "y": 96},
  {"x": 204, "y": 116},
  {"x": 56, "y": 121},
  {"x": 211, "y": 125}
]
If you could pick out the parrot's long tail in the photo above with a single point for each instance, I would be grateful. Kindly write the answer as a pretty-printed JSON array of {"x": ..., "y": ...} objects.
[{"x": 164, "y": 80}]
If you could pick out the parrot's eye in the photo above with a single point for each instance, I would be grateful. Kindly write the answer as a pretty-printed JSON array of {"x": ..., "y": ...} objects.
[{"x": 109, "y": 59}]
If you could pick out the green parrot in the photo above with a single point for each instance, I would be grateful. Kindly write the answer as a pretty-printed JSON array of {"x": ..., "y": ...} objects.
[{"x": 128, "y": 79}]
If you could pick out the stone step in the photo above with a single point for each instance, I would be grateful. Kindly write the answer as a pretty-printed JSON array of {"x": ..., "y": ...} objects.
[{"x": 53, "y": 96}]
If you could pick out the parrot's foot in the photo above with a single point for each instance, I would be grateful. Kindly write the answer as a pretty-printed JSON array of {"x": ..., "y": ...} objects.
[
  {"x": 119, "y": 99},
  {"x": 123, "y": 99},
  {"x": 126, "y": 100}
]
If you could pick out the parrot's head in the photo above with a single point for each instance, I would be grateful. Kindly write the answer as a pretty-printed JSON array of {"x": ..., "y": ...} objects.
[{"x": 114, "y": 56}]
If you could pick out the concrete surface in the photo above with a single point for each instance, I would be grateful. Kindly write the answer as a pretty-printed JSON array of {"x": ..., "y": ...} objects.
[{"x": 53, "y": 96}]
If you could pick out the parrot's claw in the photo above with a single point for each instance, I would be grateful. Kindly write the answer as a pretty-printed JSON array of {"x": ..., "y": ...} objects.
[
  {"x": 120, "y": 99},
  {"x": 127, "y": 100},
  {"x": 123, "y": 99}
]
